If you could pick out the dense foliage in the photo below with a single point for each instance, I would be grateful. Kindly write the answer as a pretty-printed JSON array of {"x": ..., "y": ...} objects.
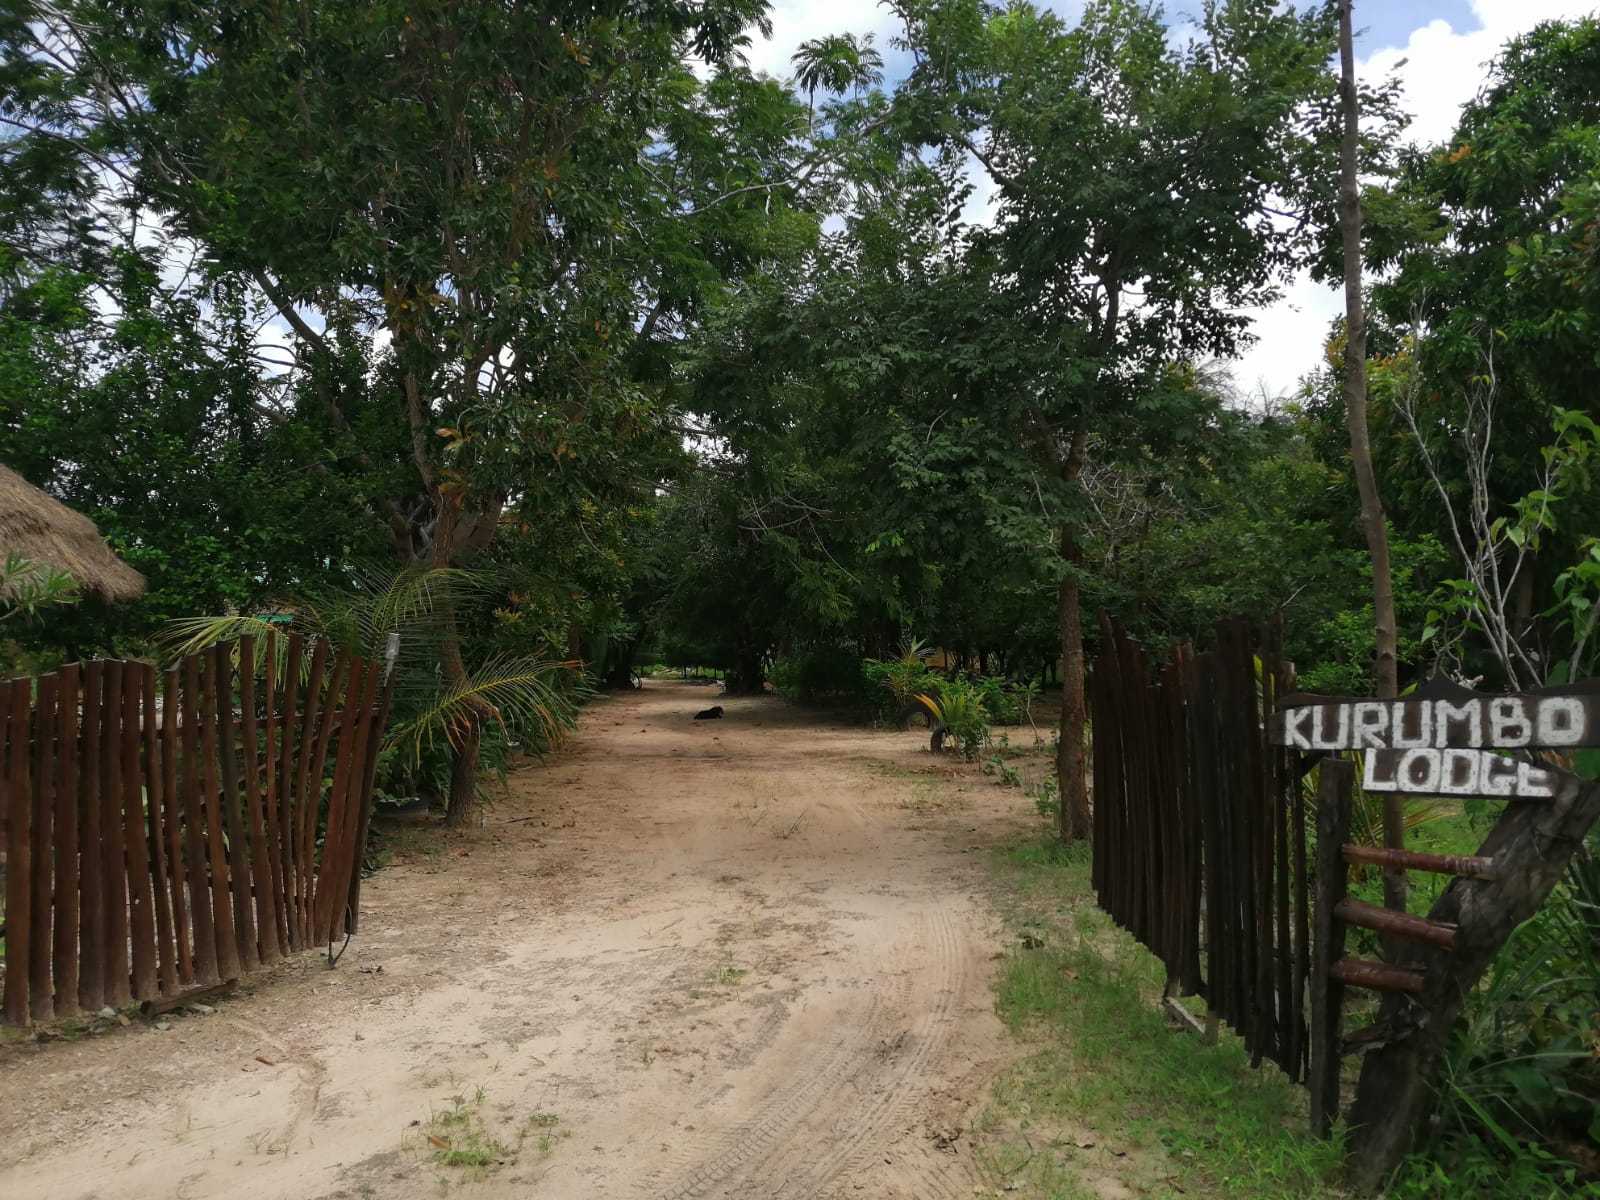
[{"x": 603, "y": 348}]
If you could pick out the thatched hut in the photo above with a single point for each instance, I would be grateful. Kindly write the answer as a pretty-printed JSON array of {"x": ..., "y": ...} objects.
[{"x": 42, "y": 530}]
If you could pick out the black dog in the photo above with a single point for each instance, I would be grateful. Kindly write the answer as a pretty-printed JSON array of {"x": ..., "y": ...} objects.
[{"x": 709, "y": 714}]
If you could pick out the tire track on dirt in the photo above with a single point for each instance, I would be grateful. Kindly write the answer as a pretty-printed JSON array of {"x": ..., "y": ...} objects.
[
  {"x": 748, "y": 1148},
  {"x": 757, "y": 1159},
  {"x": 782, "y": 1110},
  {"x": 889, "y": 1098}
]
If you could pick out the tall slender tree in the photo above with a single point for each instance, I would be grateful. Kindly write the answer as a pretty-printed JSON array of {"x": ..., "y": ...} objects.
[{"x": 1374, "y": 524}]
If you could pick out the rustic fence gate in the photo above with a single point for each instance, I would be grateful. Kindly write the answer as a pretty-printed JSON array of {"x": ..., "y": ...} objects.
[
  {"x": 174, "y": 829},
  {"x": 1202, "y": 778},
  {"x": 1199, "y": 847}
]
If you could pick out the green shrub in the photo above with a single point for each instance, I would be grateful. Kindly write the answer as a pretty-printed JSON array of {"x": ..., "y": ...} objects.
[
  {"x": 898, "y": 680},
  {"x": 958, "y": 706},
  {"x": 821, "y": 673},
  {"x": 1523, "y": 1067}
]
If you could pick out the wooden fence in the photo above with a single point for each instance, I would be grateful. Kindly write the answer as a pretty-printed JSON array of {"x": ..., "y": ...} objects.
[
  {"x": 1199, "y": 837},
  {"x": 176, "y": 829}
]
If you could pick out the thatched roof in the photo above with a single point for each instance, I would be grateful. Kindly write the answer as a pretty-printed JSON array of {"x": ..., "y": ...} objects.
[{"x": 42, "y": 530}]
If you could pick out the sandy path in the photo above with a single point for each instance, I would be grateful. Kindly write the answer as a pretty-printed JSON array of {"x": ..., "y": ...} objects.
[{"x": 742, "y": 958}]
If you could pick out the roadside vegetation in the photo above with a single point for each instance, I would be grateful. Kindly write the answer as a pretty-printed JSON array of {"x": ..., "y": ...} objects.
[
  {"x": 560, "y": 344},
  {"x": 1109, "y": 1094}
]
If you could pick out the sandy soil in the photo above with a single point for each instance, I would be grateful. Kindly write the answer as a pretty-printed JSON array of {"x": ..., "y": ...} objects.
[{"x": 740, "y": 958}]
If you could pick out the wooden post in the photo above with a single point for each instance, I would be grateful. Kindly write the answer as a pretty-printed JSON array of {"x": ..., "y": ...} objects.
[
  {"x": 66, "y": 843},
  {"x": 19, "y": 818},
  {"x": 1334, "y": 786},
  {"x": 41, "y": 993}
]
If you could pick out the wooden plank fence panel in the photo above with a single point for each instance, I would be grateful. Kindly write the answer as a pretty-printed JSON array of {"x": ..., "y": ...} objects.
[
  {"x": 368, "y": 777},
  {"x": 173, "y": 817},
  {"x": 1335, "y": 779},
  {"x": 347, "y": 859},
  {"x": 41, "y": 995},
  {"x": 323, "y": 916},
  {"x": 64, "y": 959},
  {"x": 1201, "y": 729},
  {"x": 285, "y": 762},
  {"x": 168, "y": 832},
  {"x": 311, "y": 748},
  {"x": 279, "y": 933},
  {"x": 231, "y": 811},
  {"x": 261, "y": 876},
  {"x": 330, "y": 717},
  {"x": 91, "y": 905},
  {"x": 141, "y": 892},
  {"x": 1199, "y": 823},
  {"x": 194, "y": 848},
  {"x": 216, "y": 837},
  {"x": 19, "y": 835},
  {"x": 160, "y": 869},
  {"x": 118, "y": 990}
]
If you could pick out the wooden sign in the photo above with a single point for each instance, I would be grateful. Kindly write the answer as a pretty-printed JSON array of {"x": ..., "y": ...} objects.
[
  {"x": 1442, "y": 715},
  {"x": 1456, "y": 771}
]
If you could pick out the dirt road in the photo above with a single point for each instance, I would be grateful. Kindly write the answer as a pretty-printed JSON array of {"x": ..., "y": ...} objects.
[{"x": 746, "y": 958}]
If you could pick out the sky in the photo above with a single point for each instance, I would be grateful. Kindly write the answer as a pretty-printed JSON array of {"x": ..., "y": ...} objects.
[{"x": 1438, "y": 48}]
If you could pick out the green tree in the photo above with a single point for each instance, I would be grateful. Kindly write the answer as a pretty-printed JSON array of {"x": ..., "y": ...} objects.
[
  {"x": 1133, "y": 179},
  {"x": 154, "y": 420},
  {"x": 1490, "y": 306},
  {"x": 836, "y": 63},
  {"x": 458, "y": 183}
]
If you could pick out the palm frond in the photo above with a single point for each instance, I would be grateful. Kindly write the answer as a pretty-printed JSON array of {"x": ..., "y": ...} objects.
[
  {"x": 524, "y": 694},
  {"x": 190, "y": 635}
]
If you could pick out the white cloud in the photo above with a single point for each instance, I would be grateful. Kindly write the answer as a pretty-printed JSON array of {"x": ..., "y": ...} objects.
[{"x": 1443, "y": 69}]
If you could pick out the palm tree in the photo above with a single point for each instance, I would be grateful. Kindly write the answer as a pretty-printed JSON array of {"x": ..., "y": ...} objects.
[{"x": 836, "y": 63}]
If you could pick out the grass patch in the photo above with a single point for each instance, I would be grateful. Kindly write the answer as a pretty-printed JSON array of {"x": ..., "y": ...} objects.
[
  {"x": 1110, "y": 1100},
  {"x": 457, "y": 1137}
]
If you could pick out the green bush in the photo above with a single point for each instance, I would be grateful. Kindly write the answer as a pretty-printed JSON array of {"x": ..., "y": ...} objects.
[
  {"x": 1523, "y": 1067},
  {"x": 821, "y": 673},
  {"x": 897, "y": 680},
  {"x": 958, "y": 706}
]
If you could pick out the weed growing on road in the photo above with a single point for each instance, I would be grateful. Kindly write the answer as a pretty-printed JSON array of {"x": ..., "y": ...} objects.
[
  {"x": 1109, "y": 1092},
  {"x": 456, "y": 1136},
  {"x": 182, "y": 1125},
  {"x": 550, "y": 1132},
  {"x": 785, "y": 832},
  {"x": 752, "y": 814}
]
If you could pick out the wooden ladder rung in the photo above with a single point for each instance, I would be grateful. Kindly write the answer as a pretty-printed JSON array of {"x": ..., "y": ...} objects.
[
  {"x": 1411, "y": 860},
  {"x": 1395, "y": 923},
  {"x": 1379, "y": 976}
]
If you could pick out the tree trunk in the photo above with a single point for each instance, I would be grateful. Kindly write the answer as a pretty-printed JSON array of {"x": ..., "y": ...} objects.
[
  {"x": 1523, "y": 594},
  {"x": 467, "y": 735},
  {"x": 1373, "y": 522},
  {"x": 1531, "y": 845},
  {"x": 1071, "y": 761},
  {"x": 464, "y": 777},
  {"x": 619, "y": 664},
  {"x": 747, "y": 680}
]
